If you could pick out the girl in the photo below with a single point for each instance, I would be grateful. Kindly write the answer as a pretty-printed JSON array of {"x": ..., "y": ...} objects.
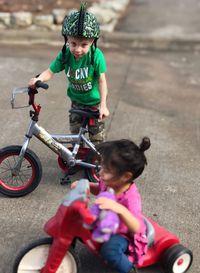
[{"x": 122, "y": 161}]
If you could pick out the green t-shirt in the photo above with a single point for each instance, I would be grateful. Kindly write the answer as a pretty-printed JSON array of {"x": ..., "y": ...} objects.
[{"x": 83, "y": 77}]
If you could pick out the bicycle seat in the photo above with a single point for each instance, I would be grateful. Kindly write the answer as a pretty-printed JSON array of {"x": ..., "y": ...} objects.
[{"x": 87, "y": 113}]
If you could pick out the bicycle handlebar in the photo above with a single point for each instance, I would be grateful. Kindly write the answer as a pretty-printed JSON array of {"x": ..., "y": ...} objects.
[
  {"x": 31, "y": 92},
  {"x": 40, "y": 84}
]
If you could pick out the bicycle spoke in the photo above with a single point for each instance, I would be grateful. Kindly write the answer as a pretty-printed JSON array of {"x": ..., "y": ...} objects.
[
  {"x": 19, "y": 175},
  {"x": 25, "y": 172},
  {"x": 4, "y": 171}
]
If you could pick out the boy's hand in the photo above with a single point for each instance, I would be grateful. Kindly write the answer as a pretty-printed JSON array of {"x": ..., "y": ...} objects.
[
  {"x": 103, "y": 112},
  {"x": 32, "y": 82}
]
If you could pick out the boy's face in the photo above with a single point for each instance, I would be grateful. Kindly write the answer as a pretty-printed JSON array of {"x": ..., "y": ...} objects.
[{"x": 79, "y": 46}]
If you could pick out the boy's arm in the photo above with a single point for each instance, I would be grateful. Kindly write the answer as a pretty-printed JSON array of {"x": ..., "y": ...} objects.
[
  {"x": 104, "y": 112},
  {"x": 44, "y": 76}
]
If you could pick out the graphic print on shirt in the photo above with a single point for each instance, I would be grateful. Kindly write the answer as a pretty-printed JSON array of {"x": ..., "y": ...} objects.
[{"x": 80, "y": 79}]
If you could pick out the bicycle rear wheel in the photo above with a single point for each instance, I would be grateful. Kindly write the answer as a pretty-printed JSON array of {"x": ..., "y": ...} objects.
[
  {"x": 29, "y": 175},
  {"x": 92, "y": 173},
  {"x": 33, "y": 257}
]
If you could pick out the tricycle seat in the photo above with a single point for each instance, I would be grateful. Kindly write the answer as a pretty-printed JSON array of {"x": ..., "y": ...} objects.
[{"x": 150, "y": 232}]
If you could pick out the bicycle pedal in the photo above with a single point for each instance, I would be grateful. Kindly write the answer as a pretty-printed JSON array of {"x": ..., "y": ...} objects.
[
  {"x": 65, "y": 181},
  {"x": 72, "y": 171}
]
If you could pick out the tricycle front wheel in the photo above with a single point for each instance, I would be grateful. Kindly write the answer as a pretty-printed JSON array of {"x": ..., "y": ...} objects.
[
  {"x": 177, "y": 259},
  {"x": 33, "y": 258},
  {"x": 28, "y": 177}
]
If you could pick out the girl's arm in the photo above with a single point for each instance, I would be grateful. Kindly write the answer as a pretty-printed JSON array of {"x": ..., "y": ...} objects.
[
  {"x": 104, "y": 112},
  {"x": 44, "y": 76},
  {"x": 94, "y": 187},
  {"x": 126, "y": 216}
]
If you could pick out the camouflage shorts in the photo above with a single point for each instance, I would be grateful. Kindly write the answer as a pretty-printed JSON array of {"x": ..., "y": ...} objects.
[{"x": 96, "y": 130}]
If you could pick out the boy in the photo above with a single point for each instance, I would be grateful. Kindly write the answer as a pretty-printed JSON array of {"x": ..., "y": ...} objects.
[{"x": 85, "y": 68}]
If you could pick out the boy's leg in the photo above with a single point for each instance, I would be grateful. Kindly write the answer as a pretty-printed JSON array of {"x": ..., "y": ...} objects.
[
  {"x": 113, "y": 252},
  {"x": 97, "y": 132},
  {"x": 75, "y": 121}
]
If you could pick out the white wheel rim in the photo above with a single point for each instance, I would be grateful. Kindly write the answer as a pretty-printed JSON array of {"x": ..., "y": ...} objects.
[
  {"x": 182, "y": 263},
  {"x": 34, "y": 260}
]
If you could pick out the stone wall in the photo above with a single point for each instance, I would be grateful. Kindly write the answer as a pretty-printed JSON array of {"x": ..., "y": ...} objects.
[{"x": 107, "y": 13}]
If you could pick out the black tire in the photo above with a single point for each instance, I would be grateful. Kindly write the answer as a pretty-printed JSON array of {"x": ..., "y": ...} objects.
[
  {"x": 177, "y": 259},
  {"x": 91, "y": 173},
  {"x": 34, "y": 256},
  {"x": 29, "y": 176}
]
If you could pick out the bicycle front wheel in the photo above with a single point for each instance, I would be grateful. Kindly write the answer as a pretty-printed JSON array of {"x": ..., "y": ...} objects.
[
  {"x": 33, "y": 258},
  {"x": 29, "y": 176}
]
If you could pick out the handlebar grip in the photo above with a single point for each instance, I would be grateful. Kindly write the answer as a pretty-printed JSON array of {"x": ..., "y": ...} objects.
[{"x": 41, "y": 84}]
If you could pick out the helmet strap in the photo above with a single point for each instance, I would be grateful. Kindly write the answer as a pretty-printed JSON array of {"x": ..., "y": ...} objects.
[
  {"x": 93, "y": 48},
  {"x": 64, "y": 60}
]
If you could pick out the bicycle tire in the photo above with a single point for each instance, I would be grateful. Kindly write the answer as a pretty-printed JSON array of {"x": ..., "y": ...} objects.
[
  {"x": 21, "y": 184},
  {"x": 33, "y": 258},
  {"x": 92, "y": 173}
]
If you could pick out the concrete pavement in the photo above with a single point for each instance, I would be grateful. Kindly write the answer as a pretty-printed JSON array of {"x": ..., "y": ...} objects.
[
  {"x": 154, "y": 94},
  {"x": 161, "y": 17}
]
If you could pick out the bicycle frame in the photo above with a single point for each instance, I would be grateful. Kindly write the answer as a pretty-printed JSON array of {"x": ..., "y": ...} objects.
[{"x": 55, "y": 141}]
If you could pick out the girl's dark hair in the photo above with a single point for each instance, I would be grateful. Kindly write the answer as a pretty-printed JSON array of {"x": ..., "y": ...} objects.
[{"x": 124, "y": 156}]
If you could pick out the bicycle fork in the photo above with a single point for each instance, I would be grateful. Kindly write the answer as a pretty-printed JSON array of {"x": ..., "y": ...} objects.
[{"x": 19, "y": 160}]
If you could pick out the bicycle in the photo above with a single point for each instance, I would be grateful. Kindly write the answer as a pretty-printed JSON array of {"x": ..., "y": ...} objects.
[{"x": 20, "y": 167}]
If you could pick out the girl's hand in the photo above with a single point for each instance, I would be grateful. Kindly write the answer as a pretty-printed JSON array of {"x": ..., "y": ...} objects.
[
  {"x": 103, "y": 112},
  {"x": 73, "y": 184},
  {"x": 106, "y": 203},
  {"x": 126, "y": 216}
]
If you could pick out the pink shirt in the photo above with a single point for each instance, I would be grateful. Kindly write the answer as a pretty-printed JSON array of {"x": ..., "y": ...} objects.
[{"x": 137, "y": 241}]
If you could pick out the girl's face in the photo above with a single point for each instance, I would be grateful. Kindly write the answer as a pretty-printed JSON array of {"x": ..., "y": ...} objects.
[
  {"x": 79, "y": 46},
  {"x": 119, "y": 183}
]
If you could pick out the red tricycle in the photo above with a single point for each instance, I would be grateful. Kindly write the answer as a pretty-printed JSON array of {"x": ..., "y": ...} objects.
[{"x": 56, "y": 254}]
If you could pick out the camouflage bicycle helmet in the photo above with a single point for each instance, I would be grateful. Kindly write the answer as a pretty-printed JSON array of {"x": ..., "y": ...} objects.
[{"x": 81, "y": 24}]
